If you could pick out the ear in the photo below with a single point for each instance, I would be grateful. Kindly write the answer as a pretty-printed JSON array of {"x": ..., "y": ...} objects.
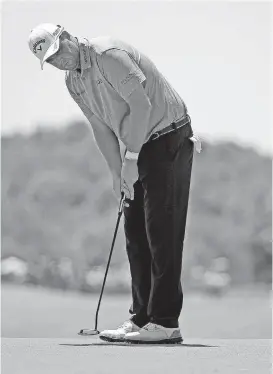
[{"x": 65, "y": 35}]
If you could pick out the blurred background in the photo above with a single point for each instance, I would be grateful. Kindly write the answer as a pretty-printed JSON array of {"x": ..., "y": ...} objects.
[{"x": 58, "y": 208}]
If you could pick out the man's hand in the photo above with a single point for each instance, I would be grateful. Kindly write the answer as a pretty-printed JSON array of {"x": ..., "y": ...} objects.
[{"x": 129, "y": 175}]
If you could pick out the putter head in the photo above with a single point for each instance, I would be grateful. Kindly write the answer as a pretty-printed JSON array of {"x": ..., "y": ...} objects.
[{"x": 88, "y": 332}]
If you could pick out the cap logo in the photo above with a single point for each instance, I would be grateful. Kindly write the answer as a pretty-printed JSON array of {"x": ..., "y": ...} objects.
[
  {"x": 35, "y": 45},
  {"x": 56, "y": 31}
]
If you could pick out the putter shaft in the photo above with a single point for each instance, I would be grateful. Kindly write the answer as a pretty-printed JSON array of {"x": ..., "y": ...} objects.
[{"x": 110, "y": 256}]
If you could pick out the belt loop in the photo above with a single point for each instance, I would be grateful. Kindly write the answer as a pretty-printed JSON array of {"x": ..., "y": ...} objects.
[{"x": 155, "y": 136}]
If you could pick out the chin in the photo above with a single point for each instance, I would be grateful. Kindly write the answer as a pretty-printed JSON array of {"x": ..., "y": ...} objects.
[
  {"x": 68, "y": 69},
  {"x": 72, "y": 68}
]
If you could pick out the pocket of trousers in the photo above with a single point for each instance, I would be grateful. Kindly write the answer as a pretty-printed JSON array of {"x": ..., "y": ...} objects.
[{"x": 173, "y": 142}]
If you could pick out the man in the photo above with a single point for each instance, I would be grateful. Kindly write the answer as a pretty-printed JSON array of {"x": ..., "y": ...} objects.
[{"x": 125, "y": 98}]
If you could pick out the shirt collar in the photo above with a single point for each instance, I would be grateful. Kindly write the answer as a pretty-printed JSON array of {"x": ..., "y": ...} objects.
[{"x": 85, "y": 57}]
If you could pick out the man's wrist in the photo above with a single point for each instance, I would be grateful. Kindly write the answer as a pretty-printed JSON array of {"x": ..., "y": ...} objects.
[{"x": 131, "y": 155}]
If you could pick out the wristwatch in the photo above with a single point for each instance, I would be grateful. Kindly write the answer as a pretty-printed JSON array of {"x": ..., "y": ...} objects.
[{"x": 131, "y": 155}]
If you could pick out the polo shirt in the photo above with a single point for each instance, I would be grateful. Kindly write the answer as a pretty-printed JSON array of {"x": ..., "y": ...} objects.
[{"x": 110, "y": 70}]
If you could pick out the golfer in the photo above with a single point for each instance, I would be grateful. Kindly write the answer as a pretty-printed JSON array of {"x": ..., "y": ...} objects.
[{"x": 126, "y": 98}]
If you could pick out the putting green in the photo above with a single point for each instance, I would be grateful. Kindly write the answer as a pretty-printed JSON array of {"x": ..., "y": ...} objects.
[
  {"x": 41, "y": 313},
  {"x": 90, "y": 355}
]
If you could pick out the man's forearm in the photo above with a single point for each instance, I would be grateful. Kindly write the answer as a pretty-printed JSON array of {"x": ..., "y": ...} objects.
[
  {"x": 136, "y": 124},
  {"x": 108, "y": 145}
]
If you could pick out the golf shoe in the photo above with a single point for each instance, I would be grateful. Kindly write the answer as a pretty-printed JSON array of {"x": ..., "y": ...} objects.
[
  {"x": 118, "y": 334},
  {"x": 152, "y": 333}
]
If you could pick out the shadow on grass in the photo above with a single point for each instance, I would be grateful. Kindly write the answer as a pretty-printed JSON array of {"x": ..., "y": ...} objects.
[{"x": 141, "y": 345}]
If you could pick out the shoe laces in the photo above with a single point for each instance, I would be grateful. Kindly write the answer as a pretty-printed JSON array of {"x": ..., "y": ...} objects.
[
  {"x": 150, "y": 327},
  {"x": 126, "y": 325}
]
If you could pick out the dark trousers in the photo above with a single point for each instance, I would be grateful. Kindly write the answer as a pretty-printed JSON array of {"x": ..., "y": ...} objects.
[{"x": 155, "y": 224}]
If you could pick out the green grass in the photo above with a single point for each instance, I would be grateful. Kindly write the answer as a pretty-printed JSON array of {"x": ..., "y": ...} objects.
[{"x": 37, "y": 312}]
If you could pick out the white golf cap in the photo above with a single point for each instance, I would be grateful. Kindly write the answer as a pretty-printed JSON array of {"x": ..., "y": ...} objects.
[{"x": 44, "y": 41}]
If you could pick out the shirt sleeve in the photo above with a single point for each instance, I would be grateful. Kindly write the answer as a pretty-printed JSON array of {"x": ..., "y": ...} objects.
[
  {"x": 86, "y": 111},
  {"x": 122, "y": 72}
]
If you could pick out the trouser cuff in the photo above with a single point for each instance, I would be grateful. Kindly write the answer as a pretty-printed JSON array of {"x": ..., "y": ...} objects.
[{"x": 165, "y": 322}]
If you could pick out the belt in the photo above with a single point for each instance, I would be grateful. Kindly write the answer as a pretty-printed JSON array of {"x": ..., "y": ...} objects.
[{"x": 172, "y": 127}]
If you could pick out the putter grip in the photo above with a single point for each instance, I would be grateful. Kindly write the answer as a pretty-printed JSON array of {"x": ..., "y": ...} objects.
[{"x": 121, "y": 202}]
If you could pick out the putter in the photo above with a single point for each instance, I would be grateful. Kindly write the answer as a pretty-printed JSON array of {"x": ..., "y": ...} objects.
[{"x": 88, "y": 332}]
